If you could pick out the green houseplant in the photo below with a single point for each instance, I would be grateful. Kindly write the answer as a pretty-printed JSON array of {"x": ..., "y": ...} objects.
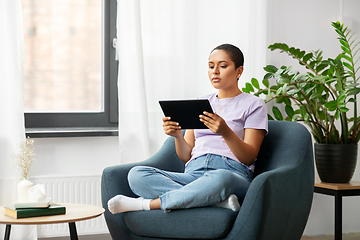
[{"x": 320, "y": 98}]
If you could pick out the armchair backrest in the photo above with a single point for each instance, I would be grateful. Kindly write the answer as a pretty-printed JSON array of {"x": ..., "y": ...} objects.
[{"x": 283, "y": 147}]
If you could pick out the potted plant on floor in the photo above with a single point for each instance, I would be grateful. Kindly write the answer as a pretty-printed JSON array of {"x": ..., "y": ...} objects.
[{"x": 321, "y": 98}]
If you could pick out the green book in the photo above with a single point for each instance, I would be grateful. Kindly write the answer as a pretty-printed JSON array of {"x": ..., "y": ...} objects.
[{"x": 53, "y": 209}]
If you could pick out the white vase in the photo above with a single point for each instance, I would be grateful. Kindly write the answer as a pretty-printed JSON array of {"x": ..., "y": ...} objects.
[{"x": 23, "y": 190}]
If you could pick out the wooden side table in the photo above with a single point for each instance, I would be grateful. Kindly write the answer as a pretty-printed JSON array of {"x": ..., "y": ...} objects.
[
  {"x": 74, "y": 213},
  {"x": 338, "y": 190}
]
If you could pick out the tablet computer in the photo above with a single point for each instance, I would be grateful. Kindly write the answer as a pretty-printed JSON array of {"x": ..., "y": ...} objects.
[{"x": 186, "y": 112}]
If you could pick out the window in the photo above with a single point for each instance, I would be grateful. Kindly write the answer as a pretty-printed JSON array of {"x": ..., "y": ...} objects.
[{"x": 70, "y": 71}]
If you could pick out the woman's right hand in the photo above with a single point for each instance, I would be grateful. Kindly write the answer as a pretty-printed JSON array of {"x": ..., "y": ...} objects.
[
  {"x": 183, "y": 144},
  {"x": 171, "y": 128}
]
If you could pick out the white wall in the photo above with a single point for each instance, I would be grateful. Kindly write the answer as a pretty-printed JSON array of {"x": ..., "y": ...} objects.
[
  {"x": 306, "y": 25},
  {"x": 74, "y": 156}
]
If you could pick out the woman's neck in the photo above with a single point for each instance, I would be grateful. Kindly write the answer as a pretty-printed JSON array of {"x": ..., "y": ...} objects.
[{"x": 228, "y": 94}]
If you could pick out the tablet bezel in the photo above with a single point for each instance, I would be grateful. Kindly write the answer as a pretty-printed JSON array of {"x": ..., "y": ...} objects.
[{"x": 186, "y": 112}]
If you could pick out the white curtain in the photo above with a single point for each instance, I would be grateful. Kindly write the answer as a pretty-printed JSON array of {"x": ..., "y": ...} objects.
[
  {"x": 163, "y": 47},
  {"x": 12, "y": 130}
]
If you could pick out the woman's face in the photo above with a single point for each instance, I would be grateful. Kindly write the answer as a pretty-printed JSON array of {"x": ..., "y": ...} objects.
[{"x": 222, "y": 72}]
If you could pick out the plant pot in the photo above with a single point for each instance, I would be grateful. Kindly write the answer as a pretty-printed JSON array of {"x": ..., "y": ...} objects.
[{"x": 335, "y": 163}]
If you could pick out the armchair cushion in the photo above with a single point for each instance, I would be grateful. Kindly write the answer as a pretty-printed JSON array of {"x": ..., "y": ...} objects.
[{"x": 185, "y": 223}]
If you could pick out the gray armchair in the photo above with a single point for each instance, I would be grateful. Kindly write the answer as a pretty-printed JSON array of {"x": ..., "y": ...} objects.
[{"x": 276, "y": 206}]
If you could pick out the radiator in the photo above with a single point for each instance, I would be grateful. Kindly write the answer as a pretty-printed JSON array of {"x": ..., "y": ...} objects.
[{"x": 72, "y": 189}]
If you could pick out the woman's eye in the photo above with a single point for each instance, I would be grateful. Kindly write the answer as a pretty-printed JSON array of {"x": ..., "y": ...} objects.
[
  {"x": 211, "y": 67},
  {"x": 223, "y": 66}
]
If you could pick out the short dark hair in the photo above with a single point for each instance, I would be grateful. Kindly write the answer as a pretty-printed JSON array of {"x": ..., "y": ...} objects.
[{"x": 234, "y": 52}]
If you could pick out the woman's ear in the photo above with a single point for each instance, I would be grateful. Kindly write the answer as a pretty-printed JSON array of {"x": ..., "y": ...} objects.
[{"x": 239, "y": 71}]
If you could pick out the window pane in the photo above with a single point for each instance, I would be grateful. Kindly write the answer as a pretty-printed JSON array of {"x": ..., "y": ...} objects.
[{"x": 62, "y": 55}]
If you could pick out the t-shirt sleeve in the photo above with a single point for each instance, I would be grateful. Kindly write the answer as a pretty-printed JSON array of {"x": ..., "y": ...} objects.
[{"x": 257, "y": 116}]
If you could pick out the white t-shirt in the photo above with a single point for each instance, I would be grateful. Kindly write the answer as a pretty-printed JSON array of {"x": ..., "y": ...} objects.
[{"x": 243, "y": 111}]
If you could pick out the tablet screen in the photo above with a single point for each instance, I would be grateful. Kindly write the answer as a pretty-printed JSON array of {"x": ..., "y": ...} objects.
[{"x": 186, "y": 112}]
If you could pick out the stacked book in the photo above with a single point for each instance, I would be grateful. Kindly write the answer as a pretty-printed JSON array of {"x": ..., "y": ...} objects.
[{"x": 26, "y": 210}]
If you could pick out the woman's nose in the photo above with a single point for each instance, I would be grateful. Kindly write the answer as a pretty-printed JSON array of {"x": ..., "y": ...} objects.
[{"x": 216, "y": 70}]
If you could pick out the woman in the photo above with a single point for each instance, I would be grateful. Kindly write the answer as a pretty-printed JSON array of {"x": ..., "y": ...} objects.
[{"x": 219, "y": 160}]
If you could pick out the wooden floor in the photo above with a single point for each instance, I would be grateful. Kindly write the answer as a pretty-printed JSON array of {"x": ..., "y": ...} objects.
[{"x": 350, "y": 236}]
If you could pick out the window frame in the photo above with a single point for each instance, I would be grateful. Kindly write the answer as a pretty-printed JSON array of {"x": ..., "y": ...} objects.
[{"x": 48, "y": 123}]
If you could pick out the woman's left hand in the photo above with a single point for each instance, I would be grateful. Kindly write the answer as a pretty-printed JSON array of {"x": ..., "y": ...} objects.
[{"x": 214, "y": 122}]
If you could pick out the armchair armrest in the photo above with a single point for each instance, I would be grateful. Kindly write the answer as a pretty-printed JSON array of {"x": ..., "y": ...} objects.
[
  {"x": 269, "y": 209},
  {"x": 114, "y": 181},
  {"x": 114, "y": 178}
]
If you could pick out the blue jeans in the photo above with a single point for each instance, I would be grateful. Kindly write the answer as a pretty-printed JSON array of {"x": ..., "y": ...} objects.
[{"x": 207, "y": 180}]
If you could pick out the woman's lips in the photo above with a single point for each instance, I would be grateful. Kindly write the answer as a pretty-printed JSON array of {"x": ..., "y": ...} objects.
[{"x": 215, "y": 80}]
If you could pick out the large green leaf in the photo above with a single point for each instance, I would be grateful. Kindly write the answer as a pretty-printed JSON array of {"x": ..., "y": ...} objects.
[
  {"x": 249, "y": 87},
  {"x": 307, "y": 57},
  {"x": 268, "y": 75},
  {"x": 289, "y": 111},
  {"x": 321, "y": 67},
  {"x": 292, "y": 50},
  {"x": 266, "y": 83},
  {"x": 339, "y": 32},
  {"x": 312, "y": 64},
  {"x": 301, "y": 54},
  {"x": 337, "y": 115},
  {"x": 287, "y": 101},
  {"x": 321, "y": 115},
  {"x": 341, "y": 99},
  {"x": 255, "y": 83},
  {"x": 293, "y": 91},
  {"x": 351, "y": 74},
  {"x": 344, "y": 109},
  {"x": 347, "y": 65},
  {"x": 284, "y": 88},
  {"x": 346, "y": 57},
  {"x": 315, "y": 95},
  {"x": 281, "y": 100},
  {"x": 283, "y": 80},
  {"x": 310, "y": 90},
  {"x": 270, "y": 68},
  {"x": 339, "y": 86},
  {"x": 320, "y": 79},
  {"x": 353, "y": 91},
  {"x": 302, "y": 111},
  {"x": 277, "y": 113},
  {"x": 331, "y": 105},
  {"x": 280, "y": 46},
  {"x": 346, "y": 50},
  {"x": 344, "y": 43},
  {"x": 245, "y": 90},
  {"x": 334, "y": 136},
  {"x": 352, "y": 100},
  {"x": 307, "y": 118},
  {"x": 352, "y": 85}
]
